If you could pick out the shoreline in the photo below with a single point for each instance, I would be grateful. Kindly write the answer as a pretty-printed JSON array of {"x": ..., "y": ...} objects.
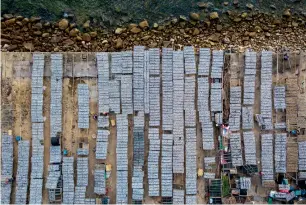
[{"x": 235, "y": 31}]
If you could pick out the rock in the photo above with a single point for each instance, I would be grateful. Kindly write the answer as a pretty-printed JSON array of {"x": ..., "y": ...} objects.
[
  {"x": 3, "y": 25},
  {"x": 193, "y": 22},
  {"x": 63, "y": 24},
  {"x": 12, "y": 47},
  {"x": 273, "y": 6},
  {"x": 19, "y": 38},
  {"x": 19, "y": 23},
  {"x": 73, "y": 25},
  {"x": 19, "y": 18},
  {"x": 258, "y": 29},
  {"x": 10, "y": 21},
  {"x": 212, "y": 43},
  {"x": 160, "y": 28},
  {"x": 267, "y": 34},
  {"x": 79, "y": 38},
  {"x": 74, "y": 32},
  {"x": 252, "y": 34},
  {"x": 56, "y": 49},
  {"x": 37, "y": 26},
  {"x": 5, "y": 46},
  {"x": 29, "y": 46},
  {"x": 45, "y": 35},
  {"x": 135, "y": 30},
  {"x": 219, "y": 27},
  {"x": 86, "y": 24},
  {"x": 25, "y": 21},
  {"x": 214, "y": 15},
  {"x": 226, "y": 40},
  {"x": 37, "y": 33},
  {"x": 194, "y": 16},
  {"x": 250, "y": 6},
  {"x": 166, "y": 43},
  {"x": 86, "y": 37},
  {"x": 132, "y": 25},
  {"x": 153, "y": 45},
  {"x": 174, "y": 21},
  {"x": 144, "y": 24},
  {"x": 93, "y": 34},
  {"x": 7, "y": 36},
  {"x": 34, "y": 19},
  {"x": 104, "y": 42},
  {"x": 295, "y": 24},
  {"x": 196, "y": 31},
  {"x": 244, "y": 15},
  {"x": 183, "y": 18},
  {"x": 145, "y": 38},
  {"x": 207, "y": 22},
  {"x": 202, "y": 5},
  {"x": 119, "y": 43},
  {"x": 277, "y": 22},
  {"x": 214, "y": 37},
  {"x": 225, "y": 3},
  {"x": 246, "y": 38},
  {"x": 287, "y": 13},
  {"x": 155, "y": 25},
  {"x": 8, "y": 16},
  {"x": 4, "y": 41},
  {"x": 118, "y": 31},
  {"x": 55, "y": 39},
  {"x": 237, "y": 20},
  {"x": 265, "y": 28},
  {"x": 68, "y": 42}
]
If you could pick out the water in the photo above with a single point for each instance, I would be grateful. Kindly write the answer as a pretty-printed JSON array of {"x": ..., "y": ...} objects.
[{"x": 111, "y": 13}]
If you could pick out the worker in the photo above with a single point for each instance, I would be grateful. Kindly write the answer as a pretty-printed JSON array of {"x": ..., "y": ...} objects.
[
  {"x": 294, "y": 132},
  {"x": 95, "y": 117},
  {"x": 286, "y": 57}
]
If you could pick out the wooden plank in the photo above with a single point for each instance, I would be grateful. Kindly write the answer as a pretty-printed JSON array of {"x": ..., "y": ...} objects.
[
  {"x": 292, "y": 154},
  {"x": 301, "y": 138}
]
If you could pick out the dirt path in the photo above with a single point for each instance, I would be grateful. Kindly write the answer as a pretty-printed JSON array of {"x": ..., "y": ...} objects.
[
  {"x": 68, "y": 117},
  {"x": 93, "y": 109},
  {"x": 130, "y": 157},
  {"x": 22, "y": 124},
  {"x": 47, "y": 131},
  {"x": 111, "y": 159},
  {"x": 19, "y": 97}
]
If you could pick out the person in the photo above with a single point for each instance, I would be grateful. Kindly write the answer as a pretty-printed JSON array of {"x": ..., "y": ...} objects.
[
  {"x": 286, "y": 57},
  {"x": 95, "y": 117}
]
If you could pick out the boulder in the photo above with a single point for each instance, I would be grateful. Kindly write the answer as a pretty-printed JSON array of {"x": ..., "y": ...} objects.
[
  {"x": 214, "y": 15},
  {"x": 144, "y": 24},
  {"x": 194, "y": 16},
  {"x": 63, "y": 24}
]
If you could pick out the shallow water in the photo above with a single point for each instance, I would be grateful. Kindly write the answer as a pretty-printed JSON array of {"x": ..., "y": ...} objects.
[{"x": 110, "y": 13}]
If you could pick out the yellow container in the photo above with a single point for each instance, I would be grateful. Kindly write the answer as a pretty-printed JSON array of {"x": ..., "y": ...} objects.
[
  {"x": 200, "y": 172},
  {"x": 108, "y": 167},
  {"x": 113, "y": 123}
]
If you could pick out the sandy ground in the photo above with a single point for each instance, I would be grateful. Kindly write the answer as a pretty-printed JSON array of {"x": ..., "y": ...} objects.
[
  {"x": 16, "y": 91},
  {"x": 47, "y": 131},
  {"x": 111, "y": 159},
  {"x": 19, "y": 98}
]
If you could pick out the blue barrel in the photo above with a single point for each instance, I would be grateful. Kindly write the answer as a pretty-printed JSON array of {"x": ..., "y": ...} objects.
[
  {"x": 65, "y": 152},
  {"x": 18, "y": 138}
]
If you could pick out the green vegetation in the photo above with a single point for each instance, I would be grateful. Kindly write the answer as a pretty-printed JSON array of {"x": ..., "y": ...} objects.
[
  {"x": 225, "y": 186},
  {"x": 115, "y": 11}
]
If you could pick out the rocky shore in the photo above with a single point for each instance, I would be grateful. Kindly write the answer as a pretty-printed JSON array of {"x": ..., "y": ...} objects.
[{"x": 230, "y": 30}]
